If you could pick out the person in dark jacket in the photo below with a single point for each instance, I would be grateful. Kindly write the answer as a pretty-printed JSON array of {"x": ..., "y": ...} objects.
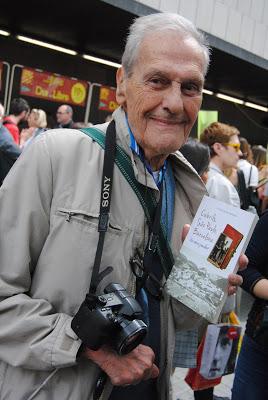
[
  {"x": 251, "y": 374},
  {"x": 64, "y": 116},
  {"x": 9, "y": 151}
]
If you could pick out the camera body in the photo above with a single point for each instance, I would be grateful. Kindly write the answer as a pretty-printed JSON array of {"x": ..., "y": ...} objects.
[{"x": 110, "y": 319}]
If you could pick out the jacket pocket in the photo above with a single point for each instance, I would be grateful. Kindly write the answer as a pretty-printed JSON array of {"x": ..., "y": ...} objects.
[
  {"x": 68, "y": 256},
  {"x": 86, "y": 220}
]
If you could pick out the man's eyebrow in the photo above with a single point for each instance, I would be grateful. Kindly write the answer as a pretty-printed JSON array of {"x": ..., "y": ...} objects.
[
  {"x": 156, "y": 72},
  {"x": 195, "y": 80}
]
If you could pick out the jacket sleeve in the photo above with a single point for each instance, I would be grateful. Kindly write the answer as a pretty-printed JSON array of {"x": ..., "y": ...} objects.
[
  {"x": 7, "y": 144},
  {"x": 32, "y": 334},
  {"x": 14, "y": 131}
]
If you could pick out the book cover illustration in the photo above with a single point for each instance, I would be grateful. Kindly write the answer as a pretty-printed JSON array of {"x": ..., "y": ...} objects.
[
  {"x": 218, "y": 235},
  {"x": 220, "y": 350},
  {"x": 225, "y": 247}
]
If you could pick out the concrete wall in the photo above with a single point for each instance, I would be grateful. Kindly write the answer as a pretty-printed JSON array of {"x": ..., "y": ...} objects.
[{"x": 243, "y": 23}]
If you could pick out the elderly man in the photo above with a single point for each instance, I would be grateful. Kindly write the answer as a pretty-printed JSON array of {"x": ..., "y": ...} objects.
[
  {"x": 45, "y": 336},
  {"x": 64, "y": 116}
]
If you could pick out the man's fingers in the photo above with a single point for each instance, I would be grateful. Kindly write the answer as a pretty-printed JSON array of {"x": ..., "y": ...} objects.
[
  {"x": 185, "y": 231},
  {"x": 232, "y": 290},
  {"x": 243, "y": 262},
  {"x": 155, "y": 372},
  {"x": 129, "y": 369},
  {"x": 235, "y": 280},
  {"x": 151, "y": 373}
]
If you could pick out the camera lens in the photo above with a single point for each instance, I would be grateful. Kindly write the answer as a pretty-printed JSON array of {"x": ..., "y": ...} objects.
[{"x": 130, "y": 336}]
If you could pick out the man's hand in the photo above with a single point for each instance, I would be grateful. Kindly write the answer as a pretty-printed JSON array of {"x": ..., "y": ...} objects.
[
  {"x": 129, "y": 369},
  {"x": 234, "y": 280}
]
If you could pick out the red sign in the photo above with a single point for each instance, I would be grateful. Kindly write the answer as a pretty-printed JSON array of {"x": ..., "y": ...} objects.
[
  {"x": 107, "y": 101},
  {"x": 53, "y": 87}
]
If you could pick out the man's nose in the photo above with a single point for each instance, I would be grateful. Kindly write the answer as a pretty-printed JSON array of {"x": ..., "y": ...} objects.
[{"x": 172, "y": 100}]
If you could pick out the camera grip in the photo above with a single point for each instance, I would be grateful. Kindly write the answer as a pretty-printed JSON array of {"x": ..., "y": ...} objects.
[{"x": 82, "y": 325}]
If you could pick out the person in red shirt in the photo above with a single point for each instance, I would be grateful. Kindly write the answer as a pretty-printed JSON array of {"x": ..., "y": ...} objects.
[{"x": 19, "y": 111}]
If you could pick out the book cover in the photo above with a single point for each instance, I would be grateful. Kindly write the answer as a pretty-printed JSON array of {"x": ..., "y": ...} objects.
[
  {"x": 218, "y": 235},
  {"x": 220, "y": 350}
]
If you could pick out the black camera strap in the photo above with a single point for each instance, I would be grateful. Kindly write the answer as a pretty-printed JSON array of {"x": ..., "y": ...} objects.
[
  {"x": 105, "y": 203},
  {"x": 148, "y": 259}
]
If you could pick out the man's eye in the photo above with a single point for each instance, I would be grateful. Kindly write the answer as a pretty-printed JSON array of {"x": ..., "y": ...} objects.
[
  {"x": 191, "y": 89},
  {"x": 158, "y": 82}
]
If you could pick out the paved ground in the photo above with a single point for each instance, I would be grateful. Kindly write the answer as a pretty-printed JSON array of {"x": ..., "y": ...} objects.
[{"x": 181, "y": 390}]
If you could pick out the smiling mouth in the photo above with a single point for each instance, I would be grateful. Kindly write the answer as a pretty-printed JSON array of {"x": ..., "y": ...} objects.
[{"x": 169, "y": 121}]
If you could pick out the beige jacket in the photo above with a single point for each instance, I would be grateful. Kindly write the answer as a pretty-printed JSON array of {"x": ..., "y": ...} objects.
[{"x": 49, "y": 206}]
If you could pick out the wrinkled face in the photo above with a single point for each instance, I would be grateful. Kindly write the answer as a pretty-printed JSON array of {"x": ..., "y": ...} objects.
[
  {"x": 63, "y": 116},
  {"x": 229, "y": 155},
  {"x": 163, "y": 94}
]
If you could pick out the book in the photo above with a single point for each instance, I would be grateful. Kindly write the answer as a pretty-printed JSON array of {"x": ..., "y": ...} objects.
[
  {"x": 220, "y": 350},
  {"x": 218, "y": 235}
]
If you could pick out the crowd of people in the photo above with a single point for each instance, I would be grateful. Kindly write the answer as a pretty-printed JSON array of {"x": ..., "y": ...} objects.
[
  {"x": 14, "y": 140},
  {"x": 50, "y": 207},
  {"x": 242, "y": 158}
]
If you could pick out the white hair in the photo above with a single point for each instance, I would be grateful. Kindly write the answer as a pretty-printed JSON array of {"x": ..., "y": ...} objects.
[
  {"x": 160, "y": 22},
  {"x": 40, "y": 117}
]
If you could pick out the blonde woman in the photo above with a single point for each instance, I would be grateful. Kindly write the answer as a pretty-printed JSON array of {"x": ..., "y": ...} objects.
[{"x": 37, "y": 123}]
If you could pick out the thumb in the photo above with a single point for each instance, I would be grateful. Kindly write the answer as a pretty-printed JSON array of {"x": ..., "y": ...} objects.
[
  {"x": 185, "y": 231},
  {"x": 243, "y": 262}
]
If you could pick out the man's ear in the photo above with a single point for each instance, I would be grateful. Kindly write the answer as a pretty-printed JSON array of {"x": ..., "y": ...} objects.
[
  {"x": 121, "y": 87},
  {"x": 217, "y": 147}
]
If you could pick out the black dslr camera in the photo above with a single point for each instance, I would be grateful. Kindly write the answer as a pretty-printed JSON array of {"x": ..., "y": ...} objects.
[{"x": 110, "y": 319}]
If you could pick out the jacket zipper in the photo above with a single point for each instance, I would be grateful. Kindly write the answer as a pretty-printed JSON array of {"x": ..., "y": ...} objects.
[{"x": 69, "y": 216}]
